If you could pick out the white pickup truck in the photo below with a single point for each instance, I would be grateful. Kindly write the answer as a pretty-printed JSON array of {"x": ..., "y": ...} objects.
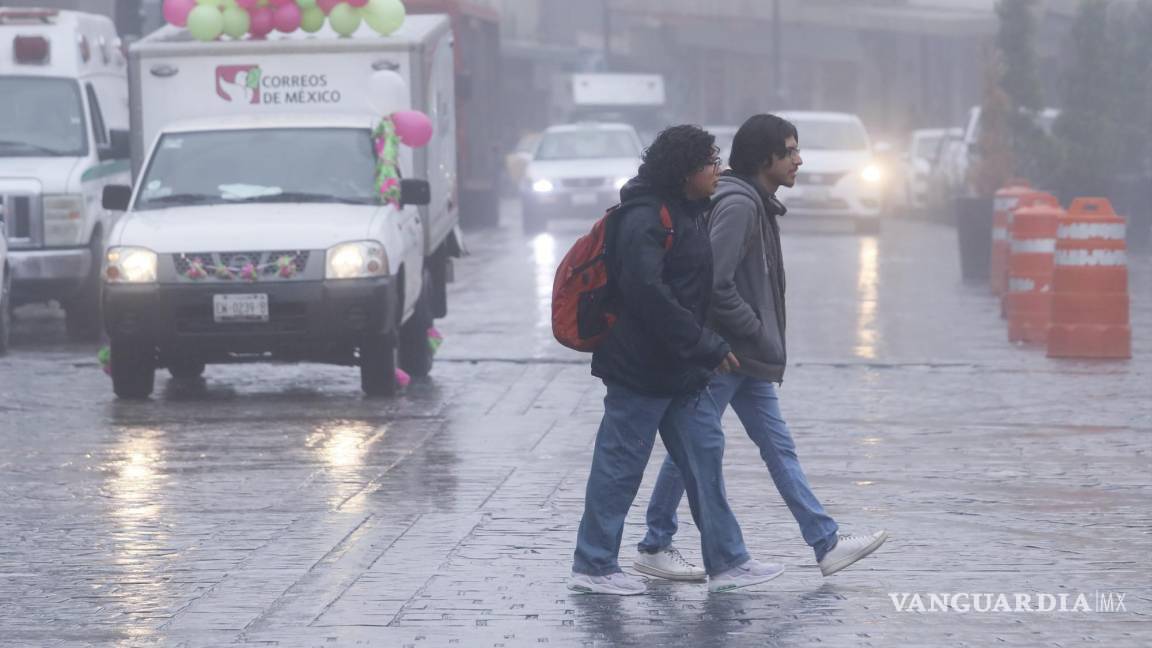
[{"x": 256, "y": 230}]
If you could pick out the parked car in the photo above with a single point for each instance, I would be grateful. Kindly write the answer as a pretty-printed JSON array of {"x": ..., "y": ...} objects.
[
  {"x": 921, "y": 159},
  {"x": 841, "y": 177},
  {"x": 578, "y": 169},
  {"x": 63, "y": 139}
]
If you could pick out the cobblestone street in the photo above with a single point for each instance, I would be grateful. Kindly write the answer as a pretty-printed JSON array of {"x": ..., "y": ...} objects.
[{"x": 274, "y": 505}]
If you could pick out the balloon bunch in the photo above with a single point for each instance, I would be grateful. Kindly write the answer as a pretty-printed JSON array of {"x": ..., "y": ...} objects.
[
  {"x": 208, "y": 20},
  {"x": 409, "y": 127}
]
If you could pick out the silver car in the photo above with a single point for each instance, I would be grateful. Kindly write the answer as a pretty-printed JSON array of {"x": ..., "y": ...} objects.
[{"x": 578, "y": 170}]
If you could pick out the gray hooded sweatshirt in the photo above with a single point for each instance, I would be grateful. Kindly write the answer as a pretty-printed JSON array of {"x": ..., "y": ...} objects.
[{"x": 748, "y": 276}]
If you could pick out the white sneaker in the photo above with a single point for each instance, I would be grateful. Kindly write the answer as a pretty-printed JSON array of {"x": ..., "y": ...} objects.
[
  {"x": 619, "y": 583},
  {"x": 668, "y": 564},
  {"x": 850, "y": 548},
  {"x": 750, "y": 573}
]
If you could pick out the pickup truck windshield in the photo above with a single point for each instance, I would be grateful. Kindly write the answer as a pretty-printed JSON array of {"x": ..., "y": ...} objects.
[
  {"x": 41, "y": 118},
  {"x": 261, "y": 165}
]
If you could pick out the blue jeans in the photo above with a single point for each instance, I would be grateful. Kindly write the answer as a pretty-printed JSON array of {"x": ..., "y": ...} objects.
[
  {"x": 758, "y": 407},
  {"x": 690, "y": 429}
]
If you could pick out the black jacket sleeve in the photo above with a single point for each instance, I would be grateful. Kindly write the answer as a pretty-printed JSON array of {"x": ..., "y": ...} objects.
[{"x": 642, "y": 290}]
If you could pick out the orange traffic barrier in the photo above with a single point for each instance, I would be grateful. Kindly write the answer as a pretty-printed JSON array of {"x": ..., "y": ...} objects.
[
  {"x": 1006, "y": 200},
  {"x": 1028, "y": 302},
  {"x": 1090, "y": 284}
]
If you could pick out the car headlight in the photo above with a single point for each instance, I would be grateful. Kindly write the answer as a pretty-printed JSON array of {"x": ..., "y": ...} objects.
[
  {"x": 620, "y": 182},
  {"x": 542, "y": 186},
  {"x": 130, "y": 265},
  {"x": 872, "y": 174},
  {"x": 64, "y": 220},
  {"x": 356, "y": 260}
]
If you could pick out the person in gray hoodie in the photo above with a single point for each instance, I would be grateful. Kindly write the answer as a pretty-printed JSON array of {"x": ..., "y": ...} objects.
[{"x": 748, "y": 311}]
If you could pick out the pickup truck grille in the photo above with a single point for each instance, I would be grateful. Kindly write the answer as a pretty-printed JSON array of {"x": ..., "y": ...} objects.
[
  {"x": 22, "y": 219},
  {"x": 227, "y": 267}
]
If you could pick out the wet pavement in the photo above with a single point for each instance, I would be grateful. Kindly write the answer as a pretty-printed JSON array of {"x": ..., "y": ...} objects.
[{"x": 275, "y": 506}]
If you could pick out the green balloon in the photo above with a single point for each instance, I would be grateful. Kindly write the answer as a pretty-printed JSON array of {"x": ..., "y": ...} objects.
[
  {"x": 205, "y": 23},
  {"x": 345, "y": 19},
  {"x": 312, "y": 20},
  {"x": 306, "y": 4},
  {"x": 237, "y": 22},
  {"x": 384, "y": 16}
]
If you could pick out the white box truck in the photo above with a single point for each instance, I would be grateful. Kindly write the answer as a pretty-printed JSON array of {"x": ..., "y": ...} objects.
[
  {"x": 63, "y": 138},
  {"x": 256, "y": 230}
]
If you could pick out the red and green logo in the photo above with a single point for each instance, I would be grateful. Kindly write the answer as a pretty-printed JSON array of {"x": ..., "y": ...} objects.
[{"x": 238, "y": 83}]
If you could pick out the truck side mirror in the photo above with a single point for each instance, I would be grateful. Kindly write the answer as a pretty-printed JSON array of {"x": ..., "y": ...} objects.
[
  {"x": 117, "y": 197},
  {"x": 118, "y": 147},
  {"x": 415, "y": 192}
]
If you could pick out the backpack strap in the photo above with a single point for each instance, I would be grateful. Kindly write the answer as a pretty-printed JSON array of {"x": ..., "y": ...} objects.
[{"x": 669, "y": 230}]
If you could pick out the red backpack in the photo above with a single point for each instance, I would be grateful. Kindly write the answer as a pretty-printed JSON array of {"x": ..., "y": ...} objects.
[{"x": 582, "y": 313}]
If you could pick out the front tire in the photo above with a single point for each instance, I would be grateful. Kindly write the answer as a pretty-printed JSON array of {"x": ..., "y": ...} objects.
[
  {"x": 133, "y": 367},
  {"x": 82, "y": 313},
  {"x": 416, "y": 354},
  {"x": 5, "y": 313},
  {"x": 378, "y": 365}
]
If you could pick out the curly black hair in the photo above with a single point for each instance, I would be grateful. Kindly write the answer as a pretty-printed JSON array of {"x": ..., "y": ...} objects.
[{"x": 676, "y": 153}]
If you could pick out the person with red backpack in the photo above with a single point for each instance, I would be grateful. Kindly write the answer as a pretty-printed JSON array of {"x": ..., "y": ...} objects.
[
  {"x": 656, "y": 358},
  {"x": 748, "y": 311}
]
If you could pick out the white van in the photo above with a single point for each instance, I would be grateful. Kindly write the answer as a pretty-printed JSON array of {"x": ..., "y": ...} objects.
[
  {"x": 63, "y": 138},
  {"x": 256, "y": 230}
]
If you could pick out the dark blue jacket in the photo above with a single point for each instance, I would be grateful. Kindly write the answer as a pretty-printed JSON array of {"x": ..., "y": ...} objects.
[{"x": 659, "y": 345}]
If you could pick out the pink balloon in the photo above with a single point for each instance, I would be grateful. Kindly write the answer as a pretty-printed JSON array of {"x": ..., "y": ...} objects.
[
  {"x": 261, "y": 22},
  {"x": 286, "y": 18},
  {"x": 413, "y": 127},
  {"x": 279, "y": 3},
  {"x": 357, "y": 3},
  {"x": 327, "y": 5},
  {"x": 247, "y": 4},
  {"x": 176, "y": 11}
]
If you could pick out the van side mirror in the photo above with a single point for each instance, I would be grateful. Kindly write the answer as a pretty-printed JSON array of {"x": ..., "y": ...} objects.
[
  {"x": 118, "y": 148},
  {"x": 117, "y": 197},
  {"x": 415, "y": 192}
]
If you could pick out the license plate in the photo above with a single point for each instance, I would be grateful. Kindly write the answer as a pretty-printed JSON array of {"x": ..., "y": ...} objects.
[
  {"x": 583, "y": 199},
  {"x": 240, "y": 308}
]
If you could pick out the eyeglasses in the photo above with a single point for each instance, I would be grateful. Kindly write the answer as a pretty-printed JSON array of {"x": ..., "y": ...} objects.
[{"x": 792, "y": 152}]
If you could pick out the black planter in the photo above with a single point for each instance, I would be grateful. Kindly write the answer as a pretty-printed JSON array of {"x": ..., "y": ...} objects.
[{"x": 974, "y": 234}]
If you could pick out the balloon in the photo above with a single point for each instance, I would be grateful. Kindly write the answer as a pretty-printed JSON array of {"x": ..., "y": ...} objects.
[
  {"x": 247, "y": 4},
  {"x": 261, "y": 22},
  {"x": 279, "y": 3},
  {"x": 205, "y": 23},
  {"x": 176, "y": 11},
  {"x": 345, "y": 19},
  {"x": 413, "y": 127},
  {"x": 388, "y": 92},
  {"x": 210, "y": 3},
  {"x": 305, "y": 5},
  {"x": 237, "y": 22},
  {"x": 357, "y": 3},
  {"x": 312, "y": 20},
  {"x": 286, "y": 18},
  {"x": 327, "y": 5},
  {"x": 384, "y": 16}
]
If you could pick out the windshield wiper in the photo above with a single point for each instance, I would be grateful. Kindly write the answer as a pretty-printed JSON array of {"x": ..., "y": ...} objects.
[
  {"x": 302, "y": 196},
  {"x": 34, "y": 147},
  {"x": 182, "y": 199}
]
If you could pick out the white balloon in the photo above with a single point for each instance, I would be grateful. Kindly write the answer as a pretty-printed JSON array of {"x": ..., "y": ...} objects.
[{"x": 388, "y": 93}]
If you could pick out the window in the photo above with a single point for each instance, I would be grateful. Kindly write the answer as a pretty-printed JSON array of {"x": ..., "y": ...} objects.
[{"x": 98, "y": 129}]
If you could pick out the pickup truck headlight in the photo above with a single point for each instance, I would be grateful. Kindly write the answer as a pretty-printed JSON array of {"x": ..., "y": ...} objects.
[
  {"x": 872, "y": 174},
  {"x": 356, "y": 260},
  {"x": 130, "y": 265},
  {"x": 64, "y": 224},
  {"x": 543, "y": 186}
]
